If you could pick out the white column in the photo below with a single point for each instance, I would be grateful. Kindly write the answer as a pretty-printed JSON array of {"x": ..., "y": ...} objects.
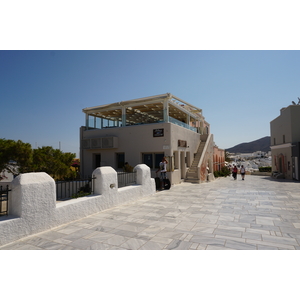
[
  {"x": 166, "y": 110},
  {"x": 86, "y": 120},
  {"x": 188, "y": 119},
  {"x": 123, "y": 116}
]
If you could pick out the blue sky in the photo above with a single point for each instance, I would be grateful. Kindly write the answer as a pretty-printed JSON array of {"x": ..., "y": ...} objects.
[{"x": 43, "y": 92}]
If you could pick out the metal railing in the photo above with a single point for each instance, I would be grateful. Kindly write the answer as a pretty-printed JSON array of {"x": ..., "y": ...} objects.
[
  {"x": 4, "y": 200},
  {"x": 125, "y": 178},
  {"x": 74, "y": 189},
  {"x": 82, "y": 187},
  {"x": 182, "y": 124}
]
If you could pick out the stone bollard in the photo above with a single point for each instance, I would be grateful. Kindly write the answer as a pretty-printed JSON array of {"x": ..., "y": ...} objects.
[
  {"x": 105, "y": 182},
  {"x": 143, "y": 177},
  {"x": 33, "y": 198}
]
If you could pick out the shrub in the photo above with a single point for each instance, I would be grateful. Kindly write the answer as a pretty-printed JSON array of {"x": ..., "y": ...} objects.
[
  {"x": 80, "y": 194},
  {"x": 224, "y": 172},
  {"x": 265, "y": 169},
  {"x": 216, "y": 174},
  {"x": 83, "y": 191}
]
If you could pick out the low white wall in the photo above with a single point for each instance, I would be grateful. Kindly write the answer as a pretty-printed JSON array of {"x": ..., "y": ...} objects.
[{"x": 33, "y": 207}]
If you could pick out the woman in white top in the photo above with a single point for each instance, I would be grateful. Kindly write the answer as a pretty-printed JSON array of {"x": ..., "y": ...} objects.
[
  {"x": 243, "y": 171},
  {"x": 163, "y": 168}
]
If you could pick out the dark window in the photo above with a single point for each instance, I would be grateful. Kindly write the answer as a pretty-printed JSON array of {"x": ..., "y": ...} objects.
[
  {"x": 120, "y": 160},
  {"x": 158, "y": 159},
  {"x": 148, "y": 160},
  {"x": 152, "y": 160},
  {"x": 97, "y": 160}
]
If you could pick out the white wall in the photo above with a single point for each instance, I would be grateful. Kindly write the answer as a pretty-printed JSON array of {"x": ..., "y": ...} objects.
[
  {"x": 33, "y": 207},
  {"x": 135, "y": 140}
]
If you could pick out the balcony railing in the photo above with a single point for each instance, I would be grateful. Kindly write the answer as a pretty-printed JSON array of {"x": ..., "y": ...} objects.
[{"x": 182, "y": 124}]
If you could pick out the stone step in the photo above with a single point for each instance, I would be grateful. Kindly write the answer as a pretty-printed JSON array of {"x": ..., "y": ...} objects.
[
  {"x": 192, "y": 180},
  {"x": 191, "y": 173}
]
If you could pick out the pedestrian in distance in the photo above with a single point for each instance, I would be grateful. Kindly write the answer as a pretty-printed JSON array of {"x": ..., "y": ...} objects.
[
  {"x": 234, "y": 172},
  {"x": 243, "y": 171}
]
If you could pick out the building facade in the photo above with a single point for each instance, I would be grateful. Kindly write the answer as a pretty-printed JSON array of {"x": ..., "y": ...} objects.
[
  {"x": 144, "y": 131},
  {"x": 285, "y": 142},
  {"x": 219, "y": 158}
]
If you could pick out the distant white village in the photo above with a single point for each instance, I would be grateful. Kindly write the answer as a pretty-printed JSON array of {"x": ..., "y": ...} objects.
[{"x": 251, "y": 161}]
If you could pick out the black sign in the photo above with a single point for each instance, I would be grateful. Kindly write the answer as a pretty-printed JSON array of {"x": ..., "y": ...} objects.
[{"x": 158, "y": 132}]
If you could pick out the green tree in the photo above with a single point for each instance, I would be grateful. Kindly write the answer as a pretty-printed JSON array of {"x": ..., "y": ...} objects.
[
  {"x": 53, "y": 162},
  {"x": 18, "y": 152},
  {"x": 25, "y": 159}
]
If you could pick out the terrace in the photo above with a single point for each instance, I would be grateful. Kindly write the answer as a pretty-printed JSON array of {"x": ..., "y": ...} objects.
[{"x": 155, "y": 109}]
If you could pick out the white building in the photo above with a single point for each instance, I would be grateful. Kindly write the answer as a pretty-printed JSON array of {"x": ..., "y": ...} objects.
[
  {"x": 145, "y": 130},
  {"x": 285, "y": 142}
]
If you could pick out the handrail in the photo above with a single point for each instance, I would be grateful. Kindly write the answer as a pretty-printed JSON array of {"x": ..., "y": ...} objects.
[{"x": 210, "y": 136}]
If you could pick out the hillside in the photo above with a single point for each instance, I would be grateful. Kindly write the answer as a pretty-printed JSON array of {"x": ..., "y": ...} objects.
[{"x": 262, "y": 144}]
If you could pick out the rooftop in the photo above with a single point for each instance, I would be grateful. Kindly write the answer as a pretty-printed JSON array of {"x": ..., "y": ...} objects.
[{"x": 153, "y": 109}]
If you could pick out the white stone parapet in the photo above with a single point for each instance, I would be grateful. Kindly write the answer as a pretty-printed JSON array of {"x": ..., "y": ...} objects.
[{"x": 33, "y": 207}]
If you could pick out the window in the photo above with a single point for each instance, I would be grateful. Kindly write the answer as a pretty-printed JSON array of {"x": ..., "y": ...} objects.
[
  {"x": 107, "y": 119},
  {"x": 157, "y": 159},
  {"x": 120, "y": 160},
  {"x": 148, "y": 160},
  {"x": 152, "y": 160}
]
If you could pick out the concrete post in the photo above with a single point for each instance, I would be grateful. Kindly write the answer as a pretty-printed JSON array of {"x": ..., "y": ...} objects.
[
  {"x": 33, "y": 198},
  {"x": 106, "y": 182},
  {"x": 143, "y": 177}
]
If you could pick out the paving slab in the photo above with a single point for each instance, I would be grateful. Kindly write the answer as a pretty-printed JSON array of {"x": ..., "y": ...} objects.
[{"x": 259, "y": 213}]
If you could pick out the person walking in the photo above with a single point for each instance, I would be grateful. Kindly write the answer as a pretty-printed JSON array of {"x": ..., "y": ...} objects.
[
  {"x": 164, "y": 181},
  {"x": 234, "y": 172},
  {"x": 163, "y": 168},
  {"x": 243, "y": 171}
]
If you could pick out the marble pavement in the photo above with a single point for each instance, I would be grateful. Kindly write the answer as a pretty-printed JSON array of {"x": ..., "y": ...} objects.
[{"x": 256, "y": 214}]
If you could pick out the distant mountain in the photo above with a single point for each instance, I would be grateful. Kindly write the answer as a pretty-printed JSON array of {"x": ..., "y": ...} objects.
[{"x": 262, "y": 144}]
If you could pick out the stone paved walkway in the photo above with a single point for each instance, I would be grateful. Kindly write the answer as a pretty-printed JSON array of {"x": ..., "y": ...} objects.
[{"x": 255, "y": 214}]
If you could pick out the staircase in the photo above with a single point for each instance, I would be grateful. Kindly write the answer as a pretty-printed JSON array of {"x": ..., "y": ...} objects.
[{"x": 192, "y": 173}]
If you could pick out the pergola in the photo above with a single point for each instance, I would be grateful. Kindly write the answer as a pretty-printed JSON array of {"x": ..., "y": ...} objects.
[{"x": 154, "y": 109}]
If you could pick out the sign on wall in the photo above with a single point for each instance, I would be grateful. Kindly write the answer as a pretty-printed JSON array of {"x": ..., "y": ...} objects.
[
  {"x": 182, "y": 143},
  {"x": 158, "y": 132}
]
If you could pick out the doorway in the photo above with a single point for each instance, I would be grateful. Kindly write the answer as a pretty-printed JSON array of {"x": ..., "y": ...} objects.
[{"x": 97, "y": 161}]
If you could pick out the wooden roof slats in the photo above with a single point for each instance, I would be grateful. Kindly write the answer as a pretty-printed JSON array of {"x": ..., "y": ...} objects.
[{"x": 147, "y": 109}]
